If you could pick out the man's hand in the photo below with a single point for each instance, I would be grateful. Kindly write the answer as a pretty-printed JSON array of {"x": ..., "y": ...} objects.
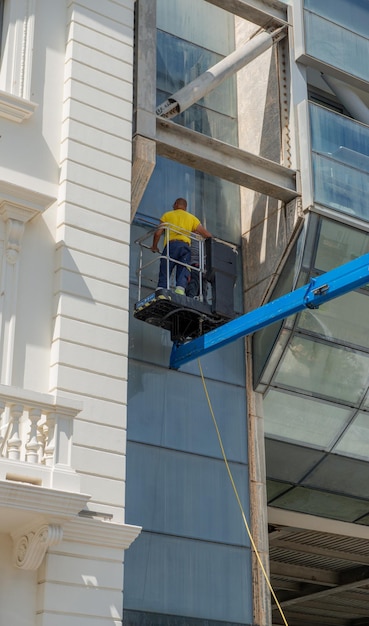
[{"x": 154, "y": 248}]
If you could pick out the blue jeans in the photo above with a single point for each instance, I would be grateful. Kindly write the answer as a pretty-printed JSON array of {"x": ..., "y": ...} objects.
[{"x": 179, "y": 251}]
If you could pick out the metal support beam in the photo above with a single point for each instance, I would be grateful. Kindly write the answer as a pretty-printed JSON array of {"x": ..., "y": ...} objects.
[
  {"x": 225, "y": 161},
  {"x": 215, "y": 75},
  {"x": 326, "y": 287},
  {"x": 265, "y": 13}
]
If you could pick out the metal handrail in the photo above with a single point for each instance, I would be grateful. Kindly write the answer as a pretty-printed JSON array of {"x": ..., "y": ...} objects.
[{"x": 170, "y": 228}]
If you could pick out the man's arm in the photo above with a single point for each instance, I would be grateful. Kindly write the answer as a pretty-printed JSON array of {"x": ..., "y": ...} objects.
[
  {"x": 200, "y": 230},
  {"x": 157, "y": 234}
]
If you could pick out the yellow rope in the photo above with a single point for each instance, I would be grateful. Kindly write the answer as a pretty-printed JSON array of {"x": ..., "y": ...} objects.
[{"x": 238, "y": 497}]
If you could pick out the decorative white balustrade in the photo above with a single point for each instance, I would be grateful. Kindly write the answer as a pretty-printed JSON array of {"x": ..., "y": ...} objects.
[{"x": 36, "y": 436}]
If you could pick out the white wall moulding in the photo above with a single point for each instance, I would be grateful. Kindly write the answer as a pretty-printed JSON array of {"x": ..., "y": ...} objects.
[
  {"x": 99, "y": 532},
  {"x": 14, "y": 108},
  {"x": 22, "y": 203},
  {"x": 30, "y": 548},
  {"x": 16, "y": 63},
  {"x": 36, "y": 439},
  {"x": 26, "y": 508}
]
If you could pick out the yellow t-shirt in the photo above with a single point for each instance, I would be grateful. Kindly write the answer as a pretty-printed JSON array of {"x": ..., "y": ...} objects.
[{"x": 182, "y": 221}]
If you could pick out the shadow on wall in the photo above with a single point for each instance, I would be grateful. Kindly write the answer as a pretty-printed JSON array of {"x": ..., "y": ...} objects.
[{"x": 267, "y": 223}]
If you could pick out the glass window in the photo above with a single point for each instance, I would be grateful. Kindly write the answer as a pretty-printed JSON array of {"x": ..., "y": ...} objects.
[
  {"x": 186, "y": 20},
  {"x": 339, "y": 244},
  {"x": 214, "y": 201},
  {"x": 303, "y": 420},
  {"x": 321, "y": 503},
  {"x": 185, "y": 50},
  {"x": 352, "y": 14},
  {"x": 189, "y": 578},
  {"x": 184, "y": 494},
  {"x": 355, "y": 441},
  {"x": 170, "y": 409},
  {"x": 324, "y": 370},
  {"x": 340, "y": 158},
  {"x": 343, "y": 319},
  {"x": 179, "y": 62},
  {"x": 336, "y": 33}
]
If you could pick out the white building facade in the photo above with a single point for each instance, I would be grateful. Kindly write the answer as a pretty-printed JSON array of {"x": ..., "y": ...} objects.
[
  {"x": 114, "y": 500},
  {"x": 66, "y": 111}
]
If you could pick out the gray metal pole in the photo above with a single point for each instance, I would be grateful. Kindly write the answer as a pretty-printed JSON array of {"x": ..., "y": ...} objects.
[{"x": 202, "y": 85}]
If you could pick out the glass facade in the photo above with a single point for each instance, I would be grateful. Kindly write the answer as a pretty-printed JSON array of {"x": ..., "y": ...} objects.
[
  {"x": 186, "y": 50},
  {"x": 316, "y": 386},
  {"x": 191, "y": 564},
  {"x": 336, "y": 33},
  {"x": 340, "y": 158}
]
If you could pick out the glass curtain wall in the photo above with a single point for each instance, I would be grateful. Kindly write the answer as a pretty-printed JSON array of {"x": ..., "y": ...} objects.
[
  {"x": 336, "y": 32},
  {"x": 315, "y": 389},
  {"x": 191, "y": 565},
  {"x": 340, "y": 160}
]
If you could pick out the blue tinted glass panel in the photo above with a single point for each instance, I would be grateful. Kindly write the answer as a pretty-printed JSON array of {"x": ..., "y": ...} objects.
[
  {"x": 186, "y": 20},
  {"x": 151, "y": 343},
  {"x": 352, "y": 14},
  {"x": 185, "y": 495},
  {"x": 337, "y": 46},
  {"x": 170, "y": 409},
  {"x": 204, "y": 120},
  {"x": 189, "y": 578},
  {"x": 214, "y": 201},
  {"x": 179, "y": 62},
  {"x": 340, "y": 150}
]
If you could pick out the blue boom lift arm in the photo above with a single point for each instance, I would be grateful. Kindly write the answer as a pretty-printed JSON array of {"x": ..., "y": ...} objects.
[{"x": 321, "y": 289}]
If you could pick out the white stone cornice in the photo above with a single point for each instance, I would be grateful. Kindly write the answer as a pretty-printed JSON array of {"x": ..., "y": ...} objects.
[
  {"x": 22, "y": 203},
  {"x": 14, "y": 108},
  {"x": 30, "y": 548},
  {"x": 53, "y": 505},
  {"x": 102, "y": 533}
]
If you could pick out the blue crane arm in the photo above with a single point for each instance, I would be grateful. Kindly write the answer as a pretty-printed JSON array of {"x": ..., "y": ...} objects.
[{"x": 319, "y": 290}]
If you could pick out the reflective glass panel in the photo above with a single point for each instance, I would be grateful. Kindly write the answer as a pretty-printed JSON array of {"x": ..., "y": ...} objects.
[
  {"x": 340, "y": 156},
  {"x": 322, "y": 503},
  {"x": 343, "y": 319},
  {"x": 214, "y": 201},
  {"x": 170, "y": 409},
  {"x": 303, "y": 420},
  {"x": 339, "y": 244},
  {"x": 185, "y": 50},
  {"x": 352, "y": 14},
  {"x": 204, "y": 507},
  {"x": 355, "y": 441},
  {"x": 275, "y": 488},
  {"x": 324, "y": 370},
  {"x": 186, "y": 20},
  {"x": 337, "y": 45},
  {"x": 190, "y": 578},
  {"x": 179, "y": 62}
]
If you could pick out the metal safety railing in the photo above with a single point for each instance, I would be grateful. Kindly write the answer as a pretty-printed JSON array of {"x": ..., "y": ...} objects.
[{"x": 148, "y": 261}]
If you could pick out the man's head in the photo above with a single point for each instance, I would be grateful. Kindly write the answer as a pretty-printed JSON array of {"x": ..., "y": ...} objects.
[{"x": 180, "y": 203}]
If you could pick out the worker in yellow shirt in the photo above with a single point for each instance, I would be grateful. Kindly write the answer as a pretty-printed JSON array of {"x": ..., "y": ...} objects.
[{"x": 178, "y": 247}]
